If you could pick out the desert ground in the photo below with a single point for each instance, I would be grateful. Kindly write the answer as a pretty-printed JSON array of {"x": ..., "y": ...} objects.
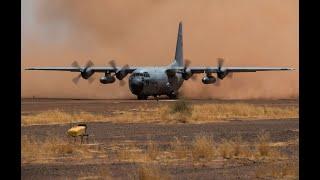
[{"x": 165, "y": 139}]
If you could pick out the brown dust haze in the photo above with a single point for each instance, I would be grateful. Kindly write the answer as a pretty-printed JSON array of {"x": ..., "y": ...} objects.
[{"x": 143, "y": 33}]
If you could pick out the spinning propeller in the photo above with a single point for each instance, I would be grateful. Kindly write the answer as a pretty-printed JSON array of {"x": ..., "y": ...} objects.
[
  {"x": 222, "y": 73},
  {"x": 119, "y": 73},
  {"x": 85, "y": 73},
  {"x": 186, "y": 70}
]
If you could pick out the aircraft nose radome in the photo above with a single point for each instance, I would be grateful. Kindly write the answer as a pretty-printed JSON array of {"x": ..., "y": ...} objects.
[{"x": 136, "y": 86}]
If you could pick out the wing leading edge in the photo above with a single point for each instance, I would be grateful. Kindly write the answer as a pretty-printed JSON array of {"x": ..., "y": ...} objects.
[
  {"x": 237, "y": 69},
  {"x": 79, "y": 69}
]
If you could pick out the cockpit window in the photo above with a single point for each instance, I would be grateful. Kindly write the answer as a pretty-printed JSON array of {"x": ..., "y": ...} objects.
[{"x": 145, "y": 74}]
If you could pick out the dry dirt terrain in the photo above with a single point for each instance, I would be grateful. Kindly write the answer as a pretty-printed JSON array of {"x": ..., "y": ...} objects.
[{"x": 260, "y": 146}]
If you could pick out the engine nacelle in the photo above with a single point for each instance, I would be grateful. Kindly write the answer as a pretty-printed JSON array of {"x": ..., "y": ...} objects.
[
  {"x": 222, "y": 74},
  {"x": 187, "y": 74},
  {"x": 86, "y": 73},
  {"x": 121, "y": 74},
  {"x": 107, "y": 79},
  {"x": 209, "y": 80}
]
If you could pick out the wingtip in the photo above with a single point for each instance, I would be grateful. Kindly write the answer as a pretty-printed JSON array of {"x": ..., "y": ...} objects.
[{"x": 289, "y": 69}]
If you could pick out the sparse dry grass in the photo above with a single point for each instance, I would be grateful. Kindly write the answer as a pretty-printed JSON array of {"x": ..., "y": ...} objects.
[
  {"x": 288, "y": 170},
  {"x": 131, "y": 153},
  {"x": 211, "y": 112},
  {"x": 226, "y": 149},
  {"x": 263, "y": 145},
  {"x": 52, "y": 149},
  {"x": 179, "y": 149},
  {"x": 60, "y": 117},
  {"x": 181, "y": 112},
  {"x": 202, "y": 148},
  {"x": 151, "y": 172},
  {"x": 101, "y": 174}
]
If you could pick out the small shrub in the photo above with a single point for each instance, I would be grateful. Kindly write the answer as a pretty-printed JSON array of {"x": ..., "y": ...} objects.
[
  {"x": 237, "y": 143},
  {"x": 179, "y": 149},
  {"x": 181, "y": 106},
  {"x": 202, "y": 148},
  {"x": 263, "y": 144},
  {"x": 226, "y": 149}
]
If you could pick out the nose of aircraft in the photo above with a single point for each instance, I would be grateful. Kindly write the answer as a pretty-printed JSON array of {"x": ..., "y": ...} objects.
[{"x": 136, "y": 85}]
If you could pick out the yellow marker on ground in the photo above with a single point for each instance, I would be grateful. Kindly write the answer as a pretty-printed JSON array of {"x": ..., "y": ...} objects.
[{"x": 77, "y": 131}]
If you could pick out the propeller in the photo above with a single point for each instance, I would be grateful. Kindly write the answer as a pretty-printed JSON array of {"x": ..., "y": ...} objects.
[
  {"x": 222, "y": 73},
  {"x": 217, "y": 83},
  {"x": 76, "y": 79},
  {"x": 122, "y": 82},
  {"x": 112, "y": 63},
  {"x": 91, "y": 79},
  {"x": 187, "y": 63},
  {"x": 84, "y": 73},
  {"x": 220, "y": 63},
  {"x": 194, "y": 77}
]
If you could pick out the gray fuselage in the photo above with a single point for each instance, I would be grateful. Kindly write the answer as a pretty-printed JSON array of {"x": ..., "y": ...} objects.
[{"x": 153, "y": 81}]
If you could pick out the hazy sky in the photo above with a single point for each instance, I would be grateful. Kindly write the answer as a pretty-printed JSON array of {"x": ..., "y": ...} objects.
[{"x": 143, "y": 32}]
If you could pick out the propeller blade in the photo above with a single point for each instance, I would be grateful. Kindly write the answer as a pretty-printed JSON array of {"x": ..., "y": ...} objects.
[
  {"x": 75, "y": 64},
  {"x": 125, "y": 66},
  {"x": 220, "y": 62},
  {"x": 89, "y": 64},
  {"x": 122, "y": 82},
  {"x": 194, "y": 77},
  {"x": 187, "y": 63},
  {"x": 76, "y": 79},
  {"x": 91, "y": 79},
  {"x": 113, "y": 64},
  {"x": 217, "y": 83},
  {"x": 230, "y": 75}
]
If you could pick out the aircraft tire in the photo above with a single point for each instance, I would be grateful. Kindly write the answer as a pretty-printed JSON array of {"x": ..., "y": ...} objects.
[
  {"x": 142, "y": 97},
  {"x": 172, "y": 96}
]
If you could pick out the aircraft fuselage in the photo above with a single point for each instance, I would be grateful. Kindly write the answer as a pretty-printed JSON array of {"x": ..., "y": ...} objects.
[{"x": 153, "y": 81}]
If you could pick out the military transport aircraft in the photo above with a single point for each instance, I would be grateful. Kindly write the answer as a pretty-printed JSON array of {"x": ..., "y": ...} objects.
[{"x": 159, "y": 80}]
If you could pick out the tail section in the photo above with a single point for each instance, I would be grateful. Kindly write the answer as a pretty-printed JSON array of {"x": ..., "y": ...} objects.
[{"x": 179, "y": 48}]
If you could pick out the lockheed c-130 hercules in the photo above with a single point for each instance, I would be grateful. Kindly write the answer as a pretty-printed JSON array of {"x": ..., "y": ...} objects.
[{"x": 158, "y": 80}]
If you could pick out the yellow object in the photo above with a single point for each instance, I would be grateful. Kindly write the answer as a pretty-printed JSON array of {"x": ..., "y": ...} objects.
[{"x": 76, "y": 131}]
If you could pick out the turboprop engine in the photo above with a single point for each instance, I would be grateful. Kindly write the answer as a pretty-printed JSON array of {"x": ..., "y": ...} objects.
[
  {"x": 86, "y": 73},
  {"x": 186, "y": 74}
]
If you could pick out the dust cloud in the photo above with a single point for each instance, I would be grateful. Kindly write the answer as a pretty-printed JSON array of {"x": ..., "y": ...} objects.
[{"x": 143, "y": 33}]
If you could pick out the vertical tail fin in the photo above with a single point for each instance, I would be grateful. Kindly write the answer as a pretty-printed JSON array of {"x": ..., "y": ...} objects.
[{"x": 179, "y": 47}]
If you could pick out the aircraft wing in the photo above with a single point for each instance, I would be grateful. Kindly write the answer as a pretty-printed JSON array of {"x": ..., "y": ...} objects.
[
  {"x": 79, "y": 69},
  {"x": 236, "y": 69}
]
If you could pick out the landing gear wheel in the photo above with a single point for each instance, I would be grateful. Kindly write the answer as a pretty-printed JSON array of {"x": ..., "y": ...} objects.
[
  {"x": 142, "y": 97},
  {"x": 172, "y": 96}
]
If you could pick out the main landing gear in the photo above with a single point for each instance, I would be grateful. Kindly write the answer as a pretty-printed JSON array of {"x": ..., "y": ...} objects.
[
  {"x": 142, "y": 97},
  {"x": 173, "y": 95}
]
